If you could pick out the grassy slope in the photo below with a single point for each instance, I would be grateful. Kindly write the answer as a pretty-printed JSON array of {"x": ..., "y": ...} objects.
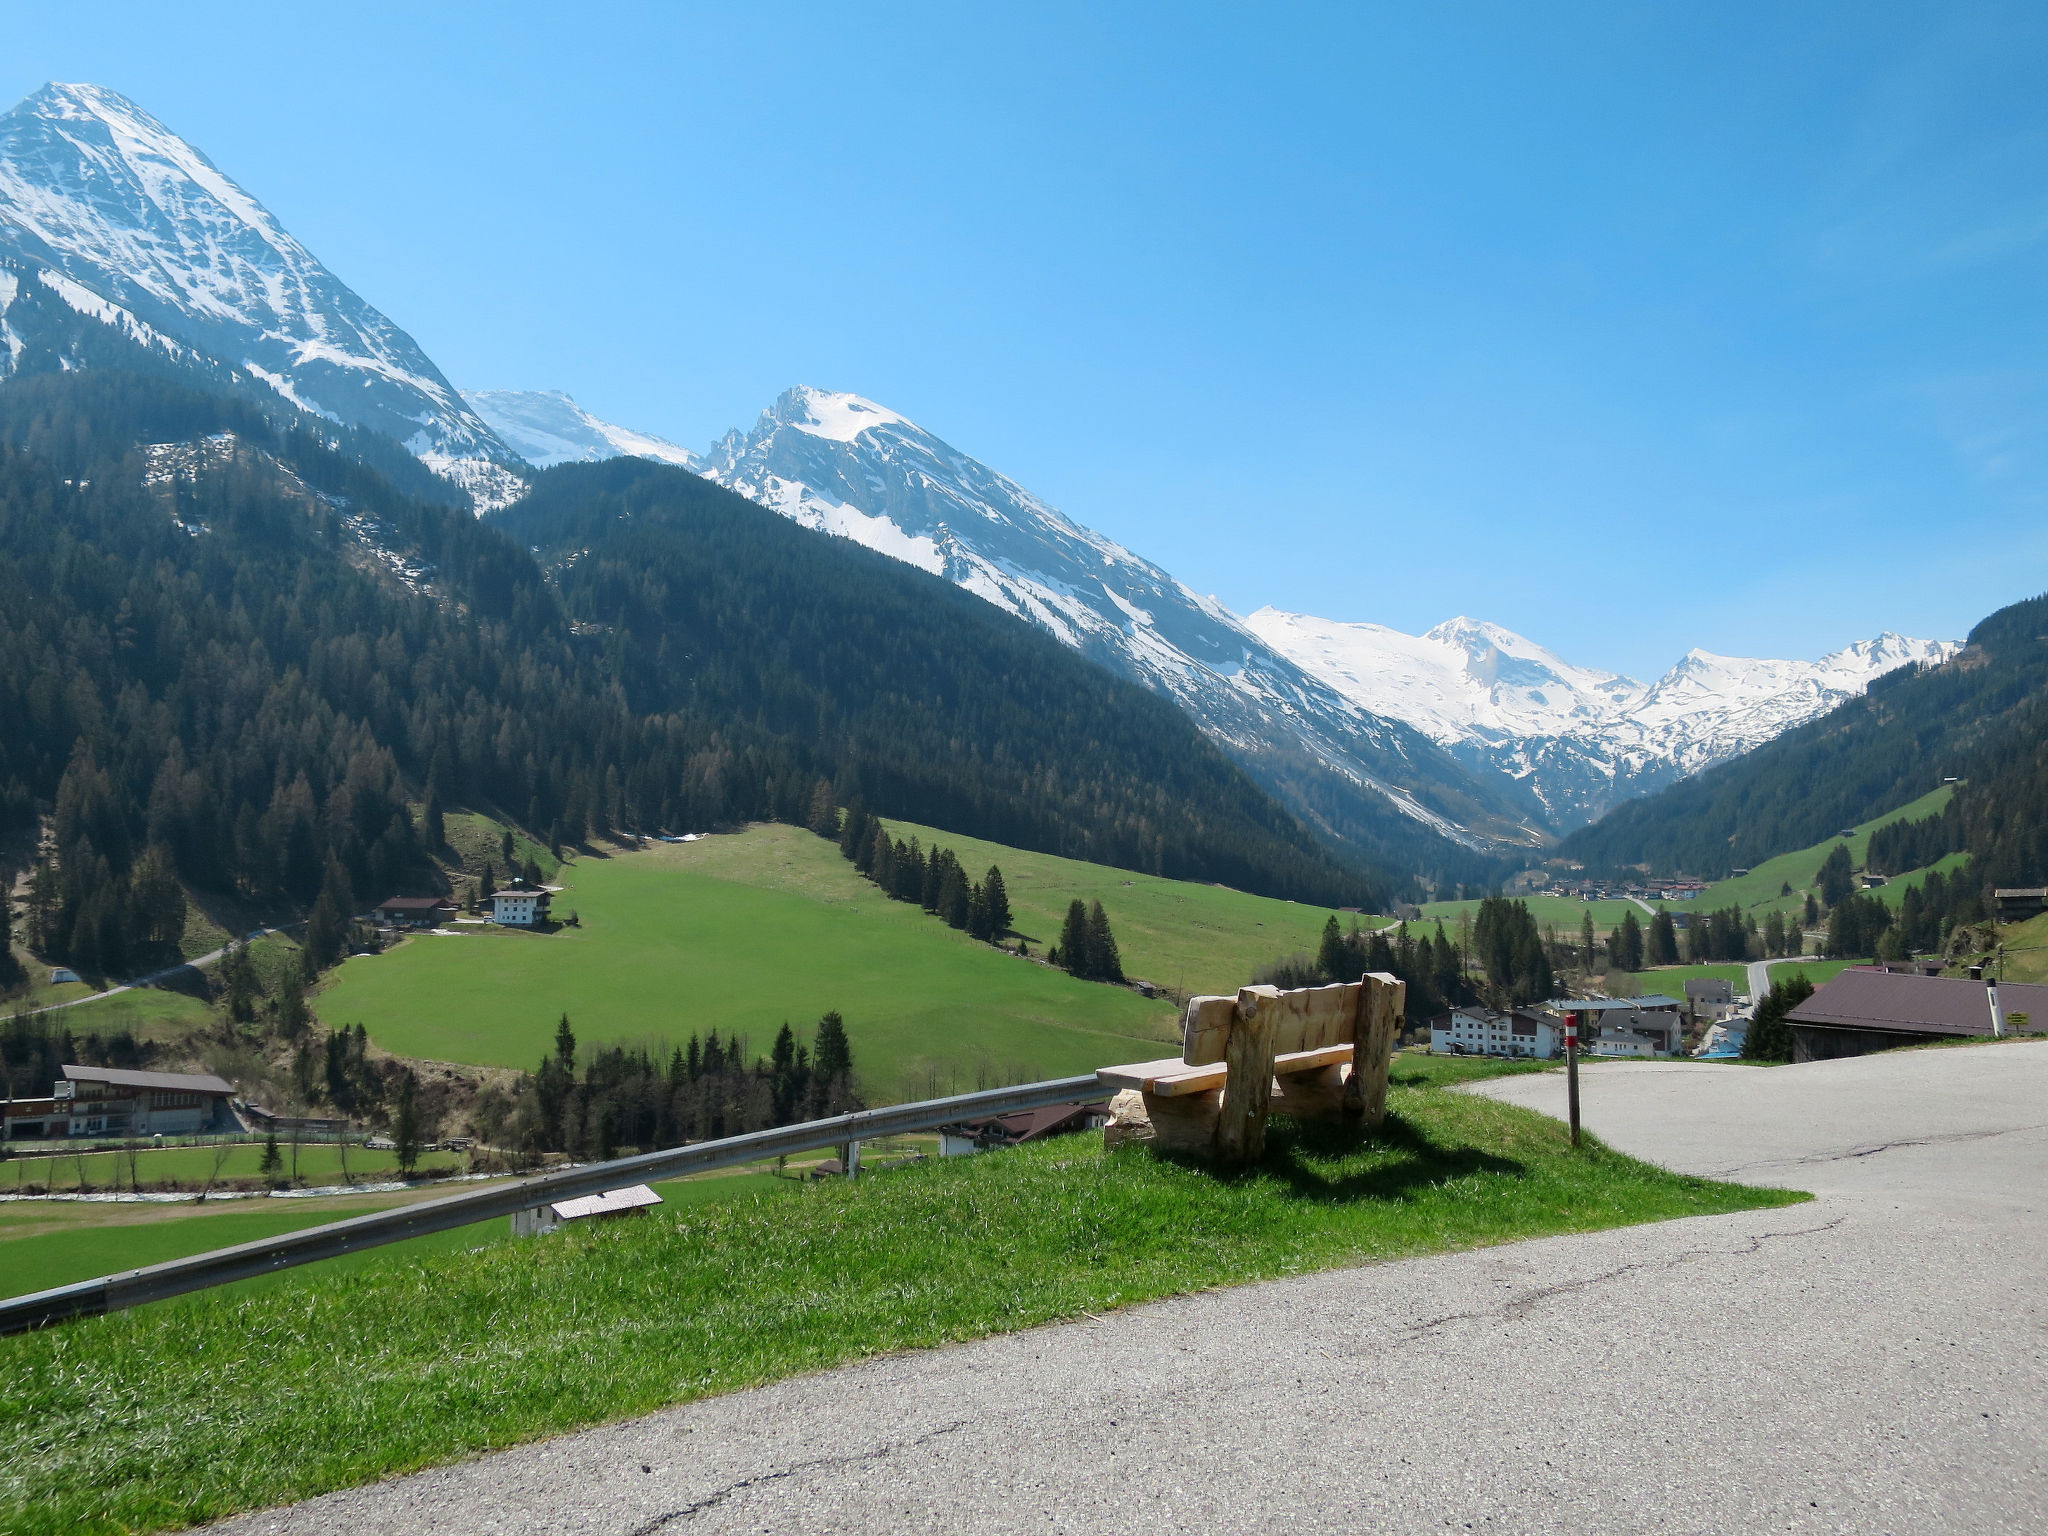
[
  {"x": 742, "y": 933},
  {"x": 1193, "y": 938},
  {"x": 317, "y": 1164},
  {"x": 1565, "y": 913},
  {"x": 413, "y": 1362},
  {"x": 1758, "y": 890},
  {"x": 50, "y": 1243}
]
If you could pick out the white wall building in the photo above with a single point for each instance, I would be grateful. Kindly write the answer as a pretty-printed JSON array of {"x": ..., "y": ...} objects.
[
  {"x": 1475, "y": 1031},
  {"x": 519, "y": 908}
]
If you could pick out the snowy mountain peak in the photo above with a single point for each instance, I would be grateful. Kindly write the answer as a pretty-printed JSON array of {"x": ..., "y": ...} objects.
[
  {"x": 545, "y": 427},
  {"x": 837, "y": 416},
  {"x": 1582, "y": 738},
  {"x": 112, "y": 227}
]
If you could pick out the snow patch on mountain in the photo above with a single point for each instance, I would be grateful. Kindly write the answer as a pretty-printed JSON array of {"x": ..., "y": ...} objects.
[
  {"x": 848, "y": 466},
  {"x": 545, "y": 427},
  {"x": 1582, "y": 738},
  {"x": 137, "y": 231}
]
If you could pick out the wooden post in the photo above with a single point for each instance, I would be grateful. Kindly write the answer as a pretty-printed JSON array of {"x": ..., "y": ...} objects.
[
  {"x": 1571, "y": 1071},
  {"x": 1241, "y": 1130},
  {"x": 1381, "y": 1000}
]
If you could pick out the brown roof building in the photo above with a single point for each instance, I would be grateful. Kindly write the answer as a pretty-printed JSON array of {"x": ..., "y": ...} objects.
[{"x": 1866, "y": 1009}]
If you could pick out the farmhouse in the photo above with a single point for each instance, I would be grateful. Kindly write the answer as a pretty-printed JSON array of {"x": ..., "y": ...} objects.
[
  {"x": 1867, "y": 1009},
  {"x": 1636, "y": 1026},
  {"x": 107, "y": 1101},
  {"x": 1476, "y": 1031},
  {"x": 519, "y": 907},
  {"x": 412, "y": 911},
  {"x": 2015, "y": 904}
]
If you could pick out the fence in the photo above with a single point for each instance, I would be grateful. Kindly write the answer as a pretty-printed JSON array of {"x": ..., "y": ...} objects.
[{"x": 110, "y": 1293}]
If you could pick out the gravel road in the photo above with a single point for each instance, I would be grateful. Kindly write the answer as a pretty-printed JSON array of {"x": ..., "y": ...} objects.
[{"x": 1875, "y": 1361}]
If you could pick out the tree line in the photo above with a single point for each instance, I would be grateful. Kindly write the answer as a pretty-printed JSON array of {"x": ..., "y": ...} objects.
[{"x": 629, "y": 1097}]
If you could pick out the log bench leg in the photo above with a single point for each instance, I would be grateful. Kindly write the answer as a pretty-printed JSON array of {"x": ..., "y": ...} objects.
[{"x": 1183, "y": 1122}]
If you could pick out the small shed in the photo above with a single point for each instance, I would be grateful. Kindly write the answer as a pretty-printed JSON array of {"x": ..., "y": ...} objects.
[{"x": 630, "y": 1201}]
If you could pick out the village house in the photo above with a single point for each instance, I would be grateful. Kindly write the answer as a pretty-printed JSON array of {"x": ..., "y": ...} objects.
[
  {"x": 1021, "y": 1126},
  {"x": 112, "y": 1102},
  {"x": 413, "y": 911},
  {"x": 1635, "y": 1026},
  {"x": 1868, "y": 1008},
  {"x": 519, "y": 907},
  {"x": 1711, "y": 998},
  {"x": 1477, "y": 1031}
]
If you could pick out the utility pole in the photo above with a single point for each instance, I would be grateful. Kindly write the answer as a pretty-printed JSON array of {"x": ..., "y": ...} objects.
[{"x": 1571, "y": 1070}]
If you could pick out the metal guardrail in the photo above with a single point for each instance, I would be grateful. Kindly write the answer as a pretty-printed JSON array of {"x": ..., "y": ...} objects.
[{"x": 157, "y": 1282}]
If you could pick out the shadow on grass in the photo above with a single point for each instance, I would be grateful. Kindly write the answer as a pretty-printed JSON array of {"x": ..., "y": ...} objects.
[{"x": 1320, "y": 1162}]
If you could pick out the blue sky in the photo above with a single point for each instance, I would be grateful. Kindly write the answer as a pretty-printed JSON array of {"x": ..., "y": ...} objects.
[{"x": 1632, "y": 328}]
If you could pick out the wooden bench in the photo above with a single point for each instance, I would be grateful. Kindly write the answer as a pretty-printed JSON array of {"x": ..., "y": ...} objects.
[{"x": 1317, "y": 1053}]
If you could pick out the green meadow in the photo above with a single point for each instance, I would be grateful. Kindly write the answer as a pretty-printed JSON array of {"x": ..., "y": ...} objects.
[
  {"x": 46, "y": 1243},
  {"x": 1760, "y": 890},
  {"x": 1192, "y": 938},
  {"x": 1564, "y": 913},
  {"x": 739, "y": 934},
  {"x": 318, "y": 1163}
]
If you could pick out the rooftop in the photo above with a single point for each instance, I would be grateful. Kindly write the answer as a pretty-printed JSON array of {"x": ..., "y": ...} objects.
[
  {"x": 1927, "y": 1005},
  {"x": 163, "y": 1082}
]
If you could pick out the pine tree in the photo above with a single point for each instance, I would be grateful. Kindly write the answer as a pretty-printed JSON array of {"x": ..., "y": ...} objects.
[
  {"x": 1586, "y": 941},
  {"x": 1073, "y": 944},
  {"x": 833, "y": 1052},
  {"x": 1663, "y": 940},
  {"x": 824, "y": 816},
  {"x": 1836, "y": 877},
  {"x": 273, "y": 1160},
  {"x": 954, "y": 897},
  {"x": 854, "y": 834},
  {"x": 999, "y": 915},
  {"x": 1103, "y": 960},
  {"x": 1632, "y": 940},
  {"x": 565, "y": 1045},
  {"x": 405, "y": 1124},
  {"x": 977, "y": 915},
  {"x": 1769, "y": 1038},
  {"x": 1332, "y": 959}
]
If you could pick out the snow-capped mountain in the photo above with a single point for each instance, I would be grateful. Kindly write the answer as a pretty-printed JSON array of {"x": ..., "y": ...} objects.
[
  {"x": 115, "y": 232},
  {"x": 545, "y": 428},
  {"x": 1582, "y": 739},
  {"x": 848, "y": 466}
]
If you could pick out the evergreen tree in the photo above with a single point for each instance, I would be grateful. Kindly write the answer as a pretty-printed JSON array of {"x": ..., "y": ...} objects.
[
  {"x": 833, "y": 1052},
  {"x": 1586, "y": 940},
  {"x": 565, "y": 1045},
  {"x": 1073, "y": 941},
  {"x": 998, "y": 895},
  {"x": 273, "y": 1160},
  {"x": 1104, "y": 961},
  {"x": 1836, "y": 877},
  {"x": 1769, "y": 1038},
  {"x": 405, "y": 1124},
  {"x": 954, "y": 897},
  {"x": 977, "y": 915},
  {"x": 1333, "y": 955},
  {"x": 824, "y": 816},
  {"x": 1662, "y": 943}
]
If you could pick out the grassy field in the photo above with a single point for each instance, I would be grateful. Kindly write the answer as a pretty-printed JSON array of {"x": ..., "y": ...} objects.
[
  {"x": 407, "y": 1363},
  {"x": 1565, "y": 913},
  {"x": 740, "y": 933},
  {"x": 1758, "y": 891},
  {"x": 59, "y": 1242},
  {"x": 1193, "y": 938},
  {"x": 318, "y": 1163},
  {"x": 1671, "y": 979}
]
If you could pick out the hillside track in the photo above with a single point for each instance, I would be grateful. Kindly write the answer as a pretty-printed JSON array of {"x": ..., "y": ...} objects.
[{"x": 1873, "y": 1361}]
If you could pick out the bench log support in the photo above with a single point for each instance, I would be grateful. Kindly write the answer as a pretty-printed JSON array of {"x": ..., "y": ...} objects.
[
  {"x": 1381, "y": 1002},
  {"x": 1248, "y": 1090}
]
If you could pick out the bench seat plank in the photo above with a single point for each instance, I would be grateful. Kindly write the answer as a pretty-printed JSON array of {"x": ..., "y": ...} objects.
[{"x": 1171, "y": 1077}]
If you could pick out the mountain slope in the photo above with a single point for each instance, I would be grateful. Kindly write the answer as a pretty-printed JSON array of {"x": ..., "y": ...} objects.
[
  {"x": 545, "y": 428},
  {"x": 847, "y": 466},
  {"x": 1583, "y": 739},
  {"x": 924, "y": 696},
  {"x": 111, "y": 226},
  {"x": 1912, "y": 729}
]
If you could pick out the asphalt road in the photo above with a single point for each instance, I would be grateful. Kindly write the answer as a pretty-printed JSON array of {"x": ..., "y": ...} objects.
[{"x": 1874, "y": 1361}]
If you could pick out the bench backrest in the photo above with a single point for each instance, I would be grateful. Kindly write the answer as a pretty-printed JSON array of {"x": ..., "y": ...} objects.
[{"x": 1310, "y": 1018}]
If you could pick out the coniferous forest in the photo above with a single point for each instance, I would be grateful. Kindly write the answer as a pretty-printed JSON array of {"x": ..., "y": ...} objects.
[{"x": 234, "y": 659}]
